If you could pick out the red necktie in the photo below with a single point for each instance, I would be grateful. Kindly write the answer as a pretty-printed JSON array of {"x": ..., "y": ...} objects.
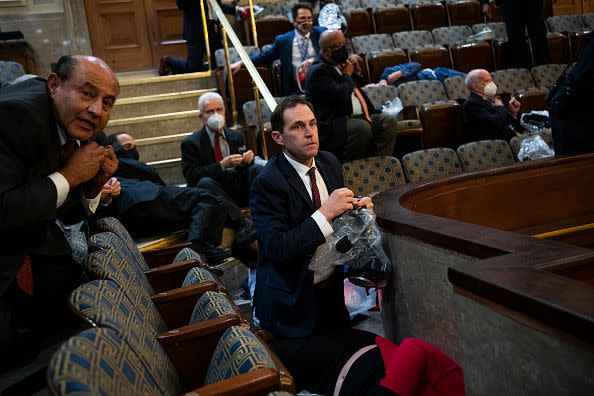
[
  {"x": 315, "y": 193},
  {"x": 217, "y": 147},
  {"x": 359, "y": 96},
  {"x": 24, "y": 277}
]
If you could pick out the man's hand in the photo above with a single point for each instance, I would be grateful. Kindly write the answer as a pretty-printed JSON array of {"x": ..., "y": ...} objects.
[
  {"x": 231, "y": 161},
  {"x": 348, "y": 67},
  {"x": 382, "y": 83},
  {"x": 363, "y": 202},
  {"x": 487, "y": 11},
  {"x": 496, "y": 101},
  {"x": 248, "y": 157},
  {"x": 236, "y": 66},
  {"x": 356, "y": 61},
  {"x": 306, "y": 65},
  {"x": 514, "y": 107},
  {"x": 111, "y": 189},
  {"x": 84, "y": 164},
  {"x": 337, "y": 203},
  {"x": 110, "y": 161},
  {"x": 394, "y": 76}
]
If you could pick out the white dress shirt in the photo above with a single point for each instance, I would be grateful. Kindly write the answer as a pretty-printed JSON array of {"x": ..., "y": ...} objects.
[
  {"x": 317, "y": 216},
  {"x": 63, "y": 188},
  {"x": 296, "y": 54}
]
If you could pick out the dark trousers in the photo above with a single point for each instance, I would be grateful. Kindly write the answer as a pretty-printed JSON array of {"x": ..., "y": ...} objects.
[
  {"x": 235, "y": 184},
  {"x": 519, "y": 16},
  {"x": 176, "y": 208},
  {"x": 235, "y": 218},
  {"x": 196, "y": 53},
  {"x": 377, "y": 138}
]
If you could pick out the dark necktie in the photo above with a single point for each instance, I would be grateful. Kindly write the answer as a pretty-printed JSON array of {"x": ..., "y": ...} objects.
[
  {"x": 315, "y": 193},
  {"x": 217, "y": 147},
  {"x": 68, "y": 150}
]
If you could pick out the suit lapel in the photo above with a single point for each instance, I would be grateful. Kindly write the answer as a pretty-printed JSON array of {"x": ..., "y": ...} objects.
[
  {"x": 294, "y": 180},
  {"x": 207, "y": 150}
]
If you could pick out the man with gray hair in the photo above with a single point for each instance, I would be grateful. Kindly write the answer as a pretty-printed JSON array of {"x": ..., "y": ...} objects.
[
  {"x": 217, "y": 155},
  {"x": 485, "y": 115}
]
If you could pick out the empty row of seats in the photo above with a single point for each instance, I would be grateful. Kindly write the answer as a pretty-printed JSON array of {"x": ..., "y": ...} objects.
[
  {"x": 370, "y": 176},
  {"x": 164, "y": 330},
  {"x": 432, "y": 110}
]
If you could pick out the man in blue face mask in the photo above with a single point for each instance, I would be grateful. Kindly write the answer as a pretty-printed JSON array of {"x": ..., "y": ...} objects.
[
  {"x": 348, "y": 124},
  {"x": 216, "y": 155}
]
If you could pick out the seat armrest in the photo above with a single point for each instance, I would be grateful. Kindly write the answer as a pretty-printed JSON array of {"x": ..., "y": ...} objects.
[
  {"x": 258, "y": 382},
  {"x": 176, "y": 305},
  {"x": 172, "y": 275},
  {"x": 165, "y": 255},
  {"x": 190, "y": 348}
]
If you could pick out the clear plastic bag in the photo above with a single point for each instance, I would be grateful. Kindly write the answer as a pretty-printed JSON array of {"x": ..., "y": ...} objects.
[
  {"x": 357, "y": 299},
  {"x": 331, "y": 17},
  {"x": 534, "y": 147},
  {"x": 393, "y": 107},
  {"x": 535, "y": 121},
  {"x": 356, "y": 241}
]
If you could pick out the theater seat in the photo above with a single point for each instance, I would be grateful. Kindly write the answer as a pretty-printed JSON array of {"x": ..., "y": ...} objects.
[
  {"x": 465, "y": 55},
  {"x": 371, "y": 42},
  {"x": 456, "y": 89},
  {"x": 518, "y": 82},
  {"x": 431, "y": 164},
  {"x": 373, "y": 175},
  {"x": 377, "y": 61},
  {"x": 9, "y": 71},
  {"x": 588, "y": 20},
  {"x": 427, "y": 16},
  {"x": 559, "y": 48},
  {"x": 358, "y": 19},
  {"x": 500, "y": 43},
  {"x": 463, "y": 12},
  {"x": 485, "y": 154},
  {"x": 574, "y": 27},
  {"x": 253, "y": 129},
  {"x": 388, "y": 16},
  {"x": 545, "y": 76},
  {"x": 516, "y": 142},
  {"x": 270, "y": 27}
]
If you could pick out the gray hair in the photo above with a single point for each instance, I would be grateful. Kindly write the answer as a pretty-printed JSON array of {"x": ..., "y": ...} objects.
[{"x": 208, "y": 96}]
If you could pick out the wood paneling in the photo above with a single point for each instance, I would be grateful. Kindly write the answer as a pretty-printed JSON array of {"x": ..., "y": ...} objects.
[
  {"x": 587, "y": 6},
  {"x": 564, "y": 7},
  {"x": 165, "y": 25}
]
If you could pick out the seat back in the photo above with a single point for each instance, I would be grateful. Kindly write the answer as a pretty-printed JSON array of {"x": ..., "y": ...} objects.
[
  {"x": 456, "y": 88},
  {"x": 442, "y": 123},
  {"x": 485, "y": 154},
  {"x": 111, "y": 224},
  {"x": 588, "y": 20},
  {"x": 391, "y": 19},
  {"x": 426, "y": 16},
  {"x": 251, "y": 119},
  {"x": 545, "y": 76},
  {"x": 98, "y": 362},
  {"x": 565, "y": 23},
  {"x": 9, "y": 71},
  {"x": 270, "y": 27},
  {"x": 372, "y": 42},
  {"x": 416, "y": 93},
  {"x": 431, "y": 56},
  {"x": 412, "y": 39},
  {"x": 372, "y": 175},
  {"x": 558, "y": 46},
  {"x": 104, "y": 304},
  {"x": 431, "y": 164},
  {"x": 449, "y": 36},
  {"x": 378, "y": 61},
  {"x": 212, "y": 305},
  {"x": 233, "y": 54},
  {"x": 498, "y": 29},
  {"x": 512, "y": 80},
  {"x": 463, "y": 12},
  {"x": 239, "y": 351}
]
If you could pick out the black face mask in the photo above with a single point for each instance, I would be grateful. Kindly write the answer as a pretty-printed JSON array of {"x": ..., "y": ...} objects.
[
  {"x": 121, "y": 152},
  {"x": 340, "y": 56}
]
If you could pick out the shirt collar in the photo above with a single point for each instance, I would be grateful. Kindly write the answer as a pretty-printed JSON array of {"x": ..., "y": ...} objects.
[
  {"x": 62, "y": 136},
  {"x": 300, "y": 168},
  {"x": 297, "y": 34},
  {"x": 211, "y": 134}
]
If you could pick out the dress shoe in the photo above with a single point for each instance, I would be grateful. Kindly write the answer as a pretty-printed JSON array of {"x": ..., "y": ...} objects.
[
  {"x": 164, "y": 69},
  {"x": 213, "y": 255}
]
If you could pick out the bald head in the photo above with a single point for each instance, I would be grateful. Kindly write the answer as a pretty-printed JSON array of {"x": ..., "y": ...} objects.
[
  {"x": 331, "y": 41},
  {"x": 476, "y": 80}
]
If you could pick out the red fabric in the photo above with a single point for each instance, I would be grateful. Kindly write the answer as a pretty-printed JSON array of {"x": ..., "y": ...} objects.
[
  {"x": 217, "y": 148},
  {"x": 24, "y": 277},
  {"x": 359, "y": 96},
  {"x": 417, "y": 368},
  {"x": 315, "y": 192}
]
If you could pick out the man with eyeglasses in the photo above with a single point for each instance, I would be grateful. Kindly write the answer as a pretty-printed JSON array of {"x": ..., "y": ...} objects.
[{"x": 295, "y": 49}]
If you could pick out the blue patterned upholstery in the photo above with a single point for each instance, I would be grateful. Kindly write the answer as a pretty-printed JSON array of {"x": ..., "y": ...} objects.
[
  {"x": 250, "y": 114},
  {"x": 98, "y": 362},
  {"x": 347, "y": 5},
  {"x": 566, "y": 23},
  {"x": 455, "y": 88},
  {"x": 279, "y": 393},
  {"x": 412, "y": 39},
  {"x": 431, "y": 164},
  {"x": 105, "y": 304},
  {"x": 512, "y": 80},
  {"x": 287, "y": 7},
  {"x": 485, "y": 154},
  {"x": 233, "y": 54},
  {"x": 239, "y": 351},
  {"x": 9, "y": 71},
  {"x": 188, "y": 254},
  {"x": 212, "y": 305},
  {"x": 380, "y": 94},
  {"x": 378, "y": 4},
  {"x": 498, "y": 29},
  {"x": 111, "y": 224},
  {"x": 197, "y": 275},
  {"x": 545, "y": 76},
  {"x": 415, "y": 93},
  {"x": 372, "y": 175},
  {"x": 451, "y": 35},
  {"x": 588, "y": 20},
  {"x": 371, "y": 42}
]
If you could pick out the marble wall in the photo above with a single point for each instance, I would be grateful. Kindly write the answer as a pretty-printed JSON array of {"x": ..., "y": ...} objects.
[{"x": 52, "y": 30}]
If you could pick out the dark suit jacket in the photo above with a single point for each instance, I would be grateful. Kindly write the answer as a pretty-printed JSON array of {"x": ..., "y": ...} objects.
[
  {"x": 282, "y": 49},
  {"x": 484, "y": 121},
  {"x": 29, "y": 152},
  {"x": 193, "y": 30},
  {"x": 288, "y": 238},
  {"x": 198, "y": 159},
  {"x": 330, "y": 93}
]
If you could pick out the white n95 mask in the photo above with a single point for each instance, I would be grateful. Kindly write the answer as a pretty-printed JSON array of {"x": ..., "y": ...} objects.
[
  {"x": 215, "y": 122},
  {"x": 490, "y": 89}
]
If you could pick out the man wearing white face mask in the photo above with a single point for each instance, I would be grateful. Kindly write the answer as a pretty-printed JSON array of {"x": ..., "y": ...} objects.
[
  {"x": 485, "y": 115},
  {"x": 216, "y": 155}
]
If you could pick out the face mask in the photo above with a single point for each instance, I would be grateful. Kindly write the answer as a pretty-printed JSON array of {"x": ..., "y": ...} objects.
[
  {"x": 121, "y": 152},
  {"x": 340, "y": 55},
  {"x": 490, "y": 89},
  {"x": 215, "y": 122}
]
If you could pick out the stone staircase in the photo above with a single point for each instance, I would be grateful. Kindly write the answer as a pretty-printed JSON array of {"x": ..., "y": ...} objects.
[{"x": 159, "y": 112}]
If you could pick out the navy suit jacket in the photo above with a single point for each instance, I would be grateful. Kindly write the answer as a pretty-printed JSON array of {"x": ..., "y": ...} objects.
[
  {"x": 282, "y": 49},
  {"x": 484, "y": 121},
  {"x": 198, "y": 159},
  {"x": 330, "y": 94},
  {"x": 288, "y": 237}
]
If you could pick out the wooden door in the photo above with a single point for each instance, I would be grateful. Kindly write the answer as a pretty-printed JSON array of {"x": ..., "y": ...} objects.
[
  {"x": 565, "y": 7},
  {"x": 119, "y": 34},
  {"x": 165, "y": 26}
]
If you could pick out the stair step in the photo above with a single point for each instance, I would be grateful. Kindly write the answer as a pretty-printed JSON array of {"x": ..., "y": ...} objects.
[
  {"x": 133, "y": 84},
  {"x": 157, "y": 104},
  {"x": 160, "y": 147},
  {"x": 156, "y": 125},
  {"x": 170, "y": 170}
]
